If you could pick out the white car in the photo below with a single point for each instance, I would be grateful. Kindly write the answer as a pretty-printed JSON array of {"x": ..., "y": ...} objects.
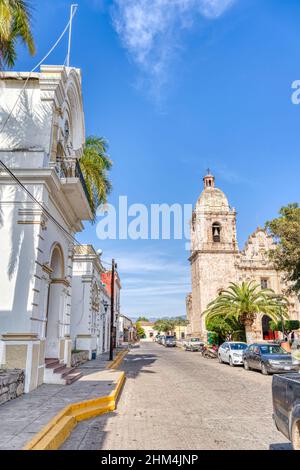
[
  {"x": 193, "y": 344},
  {"x": 232, "y": 352}
]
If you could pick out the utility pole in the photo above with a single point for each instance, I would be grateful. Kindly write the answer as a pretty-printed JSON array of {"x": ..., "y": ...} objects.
[
  {"x": 112, "y": 303},
  {"x": 74, "y": 7}
]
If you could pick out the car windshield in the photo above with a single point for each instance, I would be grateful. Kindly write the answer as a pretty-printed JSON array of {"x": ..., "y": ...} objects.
[
  {"x": 272, "y": 349},
  {"x": 169, "y": 337},
  {"x": 238, "y": 346},
  {"x": 194, "y": 340}
]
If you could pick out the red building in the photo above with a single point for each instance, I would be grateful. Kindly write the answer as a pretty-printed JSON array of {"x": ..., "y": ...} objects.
[{"x": 106, "y": 280}]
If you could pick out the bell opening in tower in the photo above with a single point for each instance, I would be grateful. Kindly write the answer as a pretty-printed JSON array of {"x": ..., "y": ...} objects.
[{"x": 216, "y": 232}]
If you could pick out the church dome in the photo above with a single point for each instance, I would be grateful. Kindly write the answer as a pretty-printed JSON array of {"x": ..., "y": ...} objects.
[{"x": 213, "y": 200}]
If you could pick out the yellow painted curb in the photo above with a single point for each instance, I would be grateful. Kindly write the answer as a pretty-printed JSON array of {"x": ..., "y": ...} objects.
[
  {"x": 59, "y": 428},
  {"x": 118, "y": 359}
]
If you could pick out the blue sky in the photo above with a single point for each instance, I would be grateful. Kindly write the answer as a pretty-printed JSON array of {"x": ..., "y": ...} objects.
[{"x": 176, "y": 87}]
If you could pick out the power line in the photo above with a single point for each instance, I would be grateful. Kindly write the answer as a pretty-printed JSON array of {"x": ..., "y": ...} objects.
[
  {"x": 13, "y": 176},
  {"x": 73, "y": 12},
  {"x": 45, "y": 211}
]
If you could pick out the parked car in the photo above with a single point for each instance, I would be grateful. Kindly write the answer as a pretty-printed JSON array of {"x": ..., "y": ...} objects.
[
  {"x": 269, "y": 358},
  {"x": 157, "y": 338},
  {"x": 232, "y": 352},
  {"x": 286, "y": 406},
  {"x": 170, "y": 341},
  {"x": 162, "y": 340},
  {"x": 193, "y": 344}
]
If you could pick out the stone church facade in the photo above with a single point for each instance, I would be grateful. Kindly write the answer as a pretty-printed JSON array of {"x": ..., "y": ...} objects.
[{"x": 216, "y": 260}]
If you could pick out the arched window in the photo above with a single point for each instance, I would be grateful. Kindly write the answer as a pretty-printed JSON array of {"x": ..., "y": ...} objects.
[{"x": 216, "y": 232}]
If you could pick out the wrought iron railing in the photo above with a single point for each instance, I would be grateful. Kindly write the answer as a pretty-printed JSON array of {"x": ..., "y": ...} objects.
[
  {"x": 70, "y": 168},
  {"x": 78, "y": 174}
]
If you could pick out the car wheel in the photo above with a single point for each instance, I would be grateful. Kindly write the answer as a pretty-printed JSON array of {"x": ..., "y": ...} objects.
[
  {"x": 264, "y": 369},
  {"x": 220, "y": 360},
  {"x": 231, "y": 362},
  {"x": 246, "y": 365}
]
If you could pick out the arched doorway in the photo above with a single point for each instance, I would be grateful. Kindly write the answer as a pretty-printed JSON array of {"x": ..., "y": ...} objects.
[
  {"x": 55, "y": 303},
  {"x": 268, "y": 334}
]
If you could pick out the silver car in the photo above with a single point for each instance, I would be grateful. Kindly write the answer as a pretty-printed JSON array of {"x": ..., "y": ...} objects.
[
  {"x": 193, "y": 344},
  {"x": 232, "y": 352}
]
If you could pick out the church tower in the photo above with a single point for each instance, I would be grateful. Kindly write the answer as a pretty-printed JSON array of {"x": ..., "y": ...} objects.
[{"x": 213, "y": 250}]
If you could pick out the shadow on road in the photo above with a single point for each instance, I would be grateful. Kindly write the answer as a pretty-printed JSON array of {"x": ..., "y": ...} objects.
[{"x": 136, "y": 363}]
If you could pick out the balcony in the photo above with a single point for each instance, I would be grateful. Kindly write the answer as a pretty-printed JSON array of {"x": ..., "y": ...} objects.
[
  {"x": 85, "y": 250},
  {"x": 74, "y": 186}
]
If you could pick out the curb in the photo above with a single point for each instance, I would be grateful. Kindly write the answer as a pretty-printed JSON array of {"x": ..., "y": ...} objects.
[
  {"x": 59, "y": 428},
  {"x": 118, "y": 359}
]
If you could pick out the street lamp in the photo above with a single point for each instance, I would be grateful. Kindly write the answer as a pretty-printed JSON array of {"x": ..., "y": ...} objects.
[
  {"x": 105, "y": 305},
  {"x": 112, "y": 309}
]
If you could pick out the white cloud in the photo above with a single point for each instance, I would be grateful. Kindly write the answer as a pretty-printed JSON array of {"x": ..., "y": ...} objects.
[
  {"x": 153, "y": 283},
  {"x": 149, "y": 28},
  {"x": 148, "y": 264}
]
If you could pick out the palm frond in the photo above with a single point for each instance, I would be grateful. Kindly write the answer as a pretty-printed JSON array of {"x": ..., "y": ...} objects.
[
  {"x": 242, "y": 302},
  {"x": 15, "y": 24},
  {"x": 95, "y": 165}
]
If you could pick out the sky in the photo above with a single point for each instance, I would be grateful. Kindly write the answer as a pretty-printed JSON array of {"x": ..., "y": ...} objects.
[{"x": 177, "y": 86}]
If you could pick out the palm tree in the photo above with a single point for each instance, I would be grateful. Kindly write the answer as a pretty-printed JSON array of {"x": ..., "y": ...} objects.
[
  {"x": 94, "y": 165},
  {"x": 243, "y": 302},
  {"x": 15, "y": 19},
  {"x": 226, "y": 329}
]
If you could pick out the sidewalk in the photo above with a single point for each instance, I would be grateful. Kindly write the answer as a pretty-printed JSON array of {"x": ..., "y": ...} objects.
[{"x": 22, "y": 418}]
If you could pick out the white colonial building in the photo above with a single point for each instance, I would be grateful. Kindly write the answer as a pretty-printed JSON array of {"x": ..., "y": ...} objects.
[
  {"x": 90, "y": 313},
  {"x": 42, "y": 143}
]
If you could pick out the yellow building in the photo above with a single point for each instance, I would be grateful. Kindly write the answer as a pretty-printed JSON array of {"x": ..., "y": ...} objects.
[{"x": 180, "y": 332}]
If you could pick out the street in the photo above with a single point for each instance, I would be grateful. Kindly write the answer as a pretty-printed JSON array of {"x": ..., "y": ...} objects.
[{"x": 177, "y": 400}]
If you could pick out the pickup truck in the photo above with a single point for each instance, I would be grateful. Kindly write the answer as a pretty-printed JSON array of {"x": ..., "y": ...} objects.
[{"x": 286, "y": 406}]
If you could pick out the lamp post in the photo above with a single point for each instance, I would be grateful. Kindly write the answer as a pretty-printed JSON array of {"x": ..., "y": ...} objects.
[
  {"x": 112, "y": 302},
  {"x": 105, "y": 305}
]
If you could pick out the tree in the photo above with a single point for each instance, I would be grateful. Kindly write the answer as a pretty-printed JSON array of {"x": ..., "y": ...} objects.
[
  {"x": 94, "y": 165},
  {"x": 142, "y": 319},
  {"x": 288, "y": 326},
  {"x": 226, "y": 328},
  {"x": 15, "y": 25},
  {"x": 164, "y": 325},
  {"x": 286, "y": 255},
  {"x": 243, "y": 302},
  {"x": 140, "y": 331}
]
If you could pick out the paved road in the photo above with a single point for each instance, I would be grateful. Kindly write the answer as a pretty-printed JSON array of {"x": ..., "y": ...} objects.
[{"x": 177, "y": 400}]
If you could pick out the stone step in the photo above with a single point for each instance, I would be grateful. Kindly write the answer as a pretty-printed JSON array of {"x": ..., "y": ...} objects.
[
  {"x": 59, "y": 368},
  {"x": 70, "y": 378},
  {"x": 67, "y": 371},
  {"x": 51, "y": 362}
]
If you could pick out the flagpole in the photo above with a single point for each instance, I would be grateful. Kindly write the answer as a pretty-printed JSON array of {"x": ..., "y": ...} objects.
[{"x": 74, "y": 7}]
